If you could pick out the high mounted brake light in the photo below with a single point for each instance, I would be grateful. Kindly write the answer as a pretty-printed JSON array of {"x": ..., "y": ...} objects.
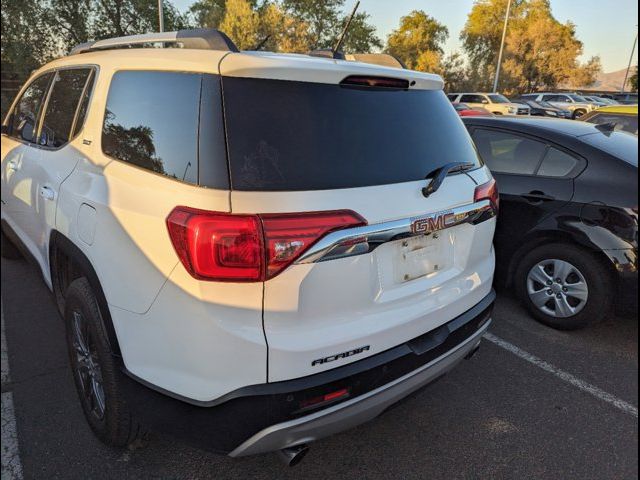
[
  {"x": 248, "y": 248},
  {"x": 379, "y": 82}
]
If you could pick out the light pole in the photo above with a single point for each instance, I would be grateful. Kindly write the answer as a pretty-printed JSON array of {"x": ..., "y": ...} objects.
[
  {"x": 504, "y": 36},
  {"x": 626, "y": 77},
  {"x": 160, "y": 16}
]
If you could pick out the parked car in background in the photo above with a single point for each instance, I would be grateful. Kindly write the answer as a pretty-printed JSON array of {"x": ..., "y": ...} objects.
[
  {"x": 623, "y": 98},
  {"x": 600, "y": 102},
  {"x": 493, "y": 102},
  {"x": 567, "y": 236},
  {"x": 577, "y": 105},
  {"x": 465, "y": 110},
  {"x": 622, "y": 117},
  {"x": 213, "y": 284},
  {"x": 544, "y": 109},
  {"x": 607, "y": 101}
]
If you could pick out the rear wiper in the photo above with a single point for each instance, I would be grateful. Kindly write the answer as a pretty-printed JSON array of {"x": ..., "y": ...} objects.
[{"x": 441, "y": 173}]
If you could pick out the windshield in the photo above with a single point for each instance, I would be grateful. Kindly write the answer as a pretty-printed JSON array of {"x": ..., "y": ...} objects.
[
  {"x": 292, "y": 136},
  {"x": 619, "y": 144},
  {"x": 496, "y": 98},
  {"x": 546, "y": 105},
  {"x": 578, "y": 98}
]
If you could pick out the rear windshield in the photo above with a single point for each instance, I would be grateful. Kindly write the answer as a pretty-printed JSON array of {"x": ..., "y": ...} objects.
[
  {"x": 619, "y": 144},
  {"x": 285, "y": 135}
]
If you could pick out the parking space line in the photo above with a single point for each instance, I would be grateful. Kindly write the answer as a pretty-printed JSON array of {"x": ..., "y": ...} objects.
[
  {"x": 564, "y": 376},
  {"x": 10, "y": 457}
]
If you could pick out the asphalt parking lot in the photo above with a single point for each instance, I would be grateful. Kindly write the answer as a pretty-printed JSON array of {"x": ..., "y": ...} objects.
[{"x": 533, "y": 403}]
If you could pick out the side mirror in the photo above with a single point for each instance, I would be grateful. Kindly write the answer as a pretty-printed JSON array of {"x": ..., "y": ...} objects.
[{"x": 485, "y": 101}]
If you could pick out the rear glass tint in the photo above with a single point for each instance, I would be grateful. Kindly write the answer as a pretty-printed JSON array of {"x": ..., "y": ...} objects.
[
  {"x": 151, "y": 121},
  {"x": 293, "y": 136}
]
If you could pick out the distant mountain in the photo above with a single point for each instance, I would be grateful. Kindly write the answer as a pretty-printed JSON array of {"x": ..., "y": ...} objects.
[{"x": 609, "y": 81}]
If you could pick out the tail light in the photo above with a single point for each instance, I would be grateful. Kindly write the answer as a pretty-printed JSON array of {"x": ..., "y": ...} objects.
[
  {"x": 248, "y": 248},
  {"x": 488, "y": 191}
]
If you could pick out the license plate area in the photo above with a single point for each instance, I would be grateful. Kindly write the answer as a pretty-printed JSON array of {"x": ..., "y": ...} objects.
[{"x": 421, "y": 256}]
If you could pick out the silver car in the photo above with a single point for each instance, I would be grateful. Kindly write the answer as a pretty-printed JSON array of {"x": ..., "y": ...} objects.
[{"x": 575, "y": 103}]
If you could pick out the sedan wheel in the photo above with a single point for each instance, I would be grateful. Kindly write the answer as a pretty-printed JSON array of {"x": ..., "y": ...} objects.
[
  {"x": 557, "y": 288},
  {"x": 564, "y": 286}
]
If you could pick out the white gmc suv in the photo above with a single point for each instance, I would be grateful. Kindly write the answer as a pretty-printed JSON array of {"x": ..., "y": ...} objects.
[{"x": 250, "y": 251}]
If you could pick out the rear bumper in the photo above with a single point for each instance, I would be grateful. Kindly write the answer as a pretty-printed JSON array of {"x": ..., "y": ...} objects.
[
  {"x": 358, "y": 410},
  {"x": 625, "y": 263},
  {"x": 267, "y": 417}
]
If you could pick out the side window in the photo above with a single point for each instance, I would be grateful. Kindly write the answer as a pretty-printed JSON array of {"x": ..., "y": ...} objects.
[
  {"x": 66, "y": 92},
  {"x": 556, "y": 163},
  {"x": 84, "y": 104},
  {"x": 452, "y": 98},
  {"x": 151, "y": 121},
  {"x": 471, "y": 99},
  {"x": 509, "y": 153},
  {"x": 22, "y": 123}
]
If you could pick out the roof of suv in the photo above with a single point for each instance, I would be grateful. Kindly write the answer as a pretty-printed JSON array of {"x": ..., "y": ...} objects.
[{"x": 276, "y": 66}]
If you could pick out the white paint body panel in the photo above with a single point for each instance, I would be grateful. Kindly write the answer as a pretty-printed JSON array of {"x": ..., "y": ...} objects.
[
  {"x": 317, "y": 310},
  {"x": 202, "y": 340}
]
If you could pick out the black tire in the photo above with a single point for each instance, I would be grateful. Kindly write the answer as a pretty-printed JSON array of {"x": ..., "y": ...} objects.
[
  {"x": 115, "y": 427},
  {"x": 7, "y": 249},
  {"x": 599, "y": 302},
  {"x": 579, "y": 113}
]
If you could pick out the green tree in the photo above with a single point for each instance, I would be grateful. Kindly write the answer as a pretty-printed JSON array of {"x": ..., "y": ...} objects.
[
  {"x": 418, "y": 42},
  {"x": 242, "y": 23},
  {"x": 208, "y": 13},
  {"x": 540, "y": 52},
  {"x": 27, "y": 38},
  {"x": 116, "y": 18},
  {"x": 481, "y": 37},
  {"x": 321, "y": 17},
  {"x": 325, "y": 22},
  {"x": 282, "y": 32}
]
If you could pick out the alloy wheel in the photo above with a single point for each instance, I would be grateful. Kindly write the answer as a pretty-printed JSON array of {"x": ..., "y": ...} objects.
[{"x": 87, "y": 366}]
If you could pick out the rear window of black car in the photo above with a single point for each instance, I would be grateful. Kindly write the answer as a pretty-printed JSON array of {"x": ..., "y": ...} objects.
[
  {"x": 622, "y": 145},
  {"x": 292, "y": 136}
]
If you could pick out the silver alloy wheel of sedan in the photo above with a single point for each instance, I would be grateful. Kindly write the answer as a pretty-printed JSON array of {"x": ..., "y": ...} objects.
[
  {"x": 557, "y": 288},
  {"x": 87, "y": 367}
]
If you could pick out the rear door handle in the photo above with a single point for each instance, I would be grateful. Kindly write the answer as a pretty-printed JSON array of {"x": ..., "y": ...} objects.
[
  {"x": 537, "y": 197},
  {"x": 47, "y": 193}
]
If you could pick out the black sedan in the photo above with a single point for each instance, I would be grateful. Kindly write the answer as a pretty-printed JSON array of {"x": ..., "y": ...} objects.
[
  {"x": 544, "y": 109},
  {"x": 567, "y": 235}
]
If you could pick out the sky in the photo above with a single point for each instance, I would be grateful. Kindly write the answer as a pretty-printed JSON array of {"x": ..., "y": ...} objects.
[{"x": 606, "y": 27}]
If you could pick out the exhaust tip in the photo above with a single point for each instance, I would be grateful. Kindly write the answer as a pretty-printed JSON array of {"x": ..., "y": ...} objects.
[{"x": 292, "y": 456}]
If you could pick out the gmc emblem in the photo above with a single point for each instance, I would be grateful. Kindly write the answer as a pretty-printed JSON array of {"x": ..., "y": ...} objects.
[
  {"x": 433, "y": 223},
  {"x": 333, "y": 358}
]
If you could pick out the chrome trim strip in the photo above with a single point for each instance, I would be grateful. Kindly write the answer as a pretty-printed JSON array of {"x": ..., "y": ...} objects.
[{"x": 362, "y": 240}]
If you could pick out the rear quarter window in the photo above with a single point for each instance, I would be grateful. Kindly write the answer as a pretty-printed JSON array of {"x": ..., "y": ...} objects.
[{"x": 152, "y": 121}]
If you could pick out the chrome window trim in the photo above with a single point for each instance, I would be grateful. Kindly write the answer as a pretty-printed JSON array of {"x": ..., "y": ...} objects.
[{"x": 361, "y": 240}]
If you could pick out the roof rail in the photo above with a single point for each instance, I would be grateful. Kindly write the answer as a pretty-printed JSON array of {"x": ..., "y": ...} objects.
[{"x": 196, "y": 39}]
